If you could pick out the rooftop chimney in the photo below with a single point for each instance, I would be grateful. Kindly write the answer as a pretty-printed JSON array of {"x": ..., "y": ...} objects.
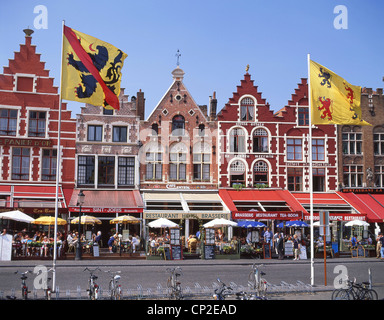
[
  {"x": 140, "y": 105},
  {"x": 213, "y": 107}
]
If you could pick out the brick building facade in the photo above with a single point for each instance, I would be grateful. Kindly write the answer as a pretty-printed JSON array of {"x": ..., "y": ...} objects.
[
  {"x": 29, "y": 114},
  {"x": 259, "y": 148}
]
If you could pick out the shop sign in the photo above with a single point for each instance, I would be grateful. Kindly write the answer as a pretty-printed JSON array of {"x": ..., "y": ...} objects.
[
  {"x": 25, "y": 142},
  {"x": 338, "y": 217},
  {"x": 267, "y": 215},
  {"x": 105, "y": 210},
  {"x": 182, "y": 215},
  {"x": 363, "y": 190}
]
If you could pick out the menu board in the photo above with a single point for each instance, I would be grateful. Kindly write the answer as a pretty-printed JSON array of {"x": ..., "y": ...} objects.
[
  {"x": 288, "y": 249},
  {"x": 209, "y": 236},
  {"x": 176, "y": 253},
  {"x": 209, "y": 252},
  {"x": 167, "y": 253},
  {"x": 175, "y": 236},
  {"x": 303, "y": 254},
  {"x": 267, "y": 250}
]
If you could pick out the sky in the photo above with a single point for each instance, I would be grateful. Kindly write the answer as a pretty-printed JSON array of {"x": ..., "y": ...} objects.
[{"x": 216, "y": 39}]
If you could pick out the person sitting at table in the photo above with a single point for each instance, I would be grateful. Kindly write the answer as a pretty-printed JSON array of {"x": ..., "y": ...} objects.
[
  {"x": 192, "y": 242},
  {"x": 135, "y": 243},
  {"x": 44, "y": 247}
]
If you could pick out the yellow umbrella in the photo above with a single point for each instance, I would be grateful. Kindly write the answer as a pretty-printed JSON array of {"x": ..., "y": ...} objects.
[
  {"x": 49, "y": 221},
  {"x": 124, "y": 220},
  {"x": 86, "y": 220}
]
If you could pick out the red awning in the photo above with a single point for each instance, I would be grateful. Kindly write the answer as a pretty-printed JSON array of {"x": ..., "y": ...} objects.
[
  {"x": 108, "y": 201},
  {"x": 368, "y": 204},
  {"x": 294, "y": 208},
  {"x": 320, "y": 198},
  {"x": 36, "y": 192}
]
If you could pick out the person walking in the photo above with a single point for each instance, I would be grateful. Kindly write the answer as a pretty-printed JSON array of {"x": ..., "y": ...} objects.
[
  {"x": 381, "y": 240},
  {"x": 296, "y": 247},
  {"x": 378, "y": 245},
  {"x": 280, "y": 246}
]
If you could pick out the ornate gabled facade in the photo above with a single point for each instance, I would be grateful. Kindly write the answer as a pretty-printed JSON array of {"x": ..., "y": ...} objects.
[
  {"x": 29, "y": 118},
  {"x": 259, "y": 149},
  {"x": 179, "y": 142}
]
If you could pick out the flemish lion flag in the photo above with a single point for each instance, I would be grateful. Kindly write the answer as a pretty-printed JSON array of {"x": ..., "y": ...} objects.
[
  {"x": 91, "y": 70},
  {"x": 334, "y": 100}
]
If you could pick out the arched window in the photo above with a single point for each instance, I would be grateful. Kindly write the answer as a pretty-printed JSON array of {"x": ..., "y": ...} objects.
[
  {"x": 260, "y": 140},
  {"x": 237, "y": 173},
  {"x": 237, "y": 140},
  {"x": 201, "y": 130},
  {"x": 260, "y": 173},
  {"x": 178, "y": 125},
  {"x": 247, "y": 109}
]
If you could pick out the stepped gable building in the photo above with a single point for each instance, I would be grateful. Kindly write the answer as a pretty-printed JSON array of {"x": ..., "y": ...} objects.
[
  {"x": 178, "y": 159},
  {"x": 266, "y": 153},
  {"x": 107, "y": 166},
  {"x": 361, "y": 158},
  {"x": 29, "y": 113}
]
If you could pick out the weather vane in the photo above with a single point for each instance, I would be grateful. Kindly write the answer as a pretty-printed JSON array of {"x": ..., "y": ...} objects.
[
  {"x": 178, "y": 55},
  {"x": 247, "y": 68}
]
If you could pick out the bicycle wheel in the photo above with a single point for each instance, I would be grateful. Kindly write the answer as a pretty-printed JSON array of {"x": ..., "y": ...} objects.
[
  {"x": 341, "y": 294},
  {"x": 369, "y": 294},
  {"x": 112, "y": 290},
  {"x": 178, "y": 293}
]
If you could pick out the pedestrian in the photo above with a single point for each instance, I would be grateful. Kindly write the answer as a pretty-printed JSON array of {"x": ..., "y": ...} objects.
[
  {"x": 296, "y": 247},
  {"x": 111, "y": 243},
  {"x": 280, "y": 246},
  {"x": 378, "y": 245},
  {"x": 354, "y": 241},
  {"x": 268, "y": 236},
  {"x": 382, "y": 246},
  {"x": 135, "y": 243}
]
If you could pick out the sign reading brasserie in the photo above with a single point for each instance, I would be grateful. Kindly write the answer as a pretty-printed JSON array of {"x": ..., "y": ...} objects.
[
  {"x": 181, "y": 215},
  {"x": 25, "y": 142}
]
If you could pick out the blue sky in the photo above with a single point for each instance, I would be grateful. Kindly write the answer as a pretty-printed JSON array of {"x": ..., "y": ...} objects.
[{"x": 216, "y": 39}]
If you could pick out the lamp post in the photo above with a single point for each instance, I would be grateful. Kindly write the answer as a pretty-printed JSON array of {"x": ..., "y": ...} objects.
[{"x": 80, "y": 201}]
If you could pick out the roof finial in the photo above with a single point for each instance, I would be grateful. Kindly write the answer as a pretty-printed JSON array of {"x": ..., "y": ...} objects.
[
  {"x": 247, "y": 68},
  {"x": 178, "y": 55}
]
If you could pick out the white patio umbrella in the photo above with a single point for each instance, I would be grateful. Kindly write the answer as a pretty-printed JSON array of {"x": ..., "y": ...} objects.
[
  {"x": 162, "y": 223},
  {"x": 356, "y": 223},
  {"x": 17, "y": 216},
  {"x": 217, "y": 223}
]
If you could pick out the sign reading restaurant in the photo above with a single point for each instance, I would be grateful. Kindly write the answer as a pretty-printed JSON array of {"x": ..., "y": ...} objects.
[
  {"x": 15, "y": 142},
  {"x": 283, "y": 215},
  {"x": 181, "y": 215}
]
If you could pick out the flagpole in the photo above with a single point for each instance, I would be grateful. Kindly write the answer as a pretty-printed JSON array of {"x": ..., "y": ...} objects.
[
  {"x": 310, "y": 170},
  {"x": 58, "y": 168}
]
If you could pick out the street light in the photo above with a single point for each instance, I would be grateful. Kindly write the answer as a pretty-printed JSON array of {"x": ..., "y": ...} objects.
[{"x": 80, "y": 202}]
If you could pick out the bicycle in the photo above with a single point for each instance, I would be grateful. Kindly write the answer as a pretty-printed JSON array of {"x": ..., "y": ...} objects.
[
  {"x": 48, "y": 290},
  {"x": 24, "y": 287},
  {"x": 222, "y": 292},
  {"x": 355, "y": 291},
  {"x": 174, "y": 284},
  {"x": 256, "y": 282},
  {"x": 114, "y": 286},
  {"x": 93, "y": 290}
]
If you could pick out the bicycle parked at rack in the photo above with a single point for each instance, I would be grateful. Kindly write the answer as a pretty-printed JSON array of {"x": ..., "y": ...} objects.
[
  {"x": 256, "y": 282},
  {"x": 222, "y": 292},
  {"x": 93, "y": 290},
  {"x": 174, "y": 284},
  {"x": 355, "y": 291},
  {"x": 114, "y": 286},
  {"x": 24, "y": 287},
  {"x": 48, "y": 289}
]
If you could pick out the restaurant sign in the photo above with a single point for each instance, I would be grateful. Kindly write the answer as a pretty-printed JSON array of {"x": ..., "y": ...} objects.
[
  {"x": 278, "y": 215},
  {"x": 338, "y": 217},
  {"x": 105, "y": 210},
  {"x": 184, "y": 215}
]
